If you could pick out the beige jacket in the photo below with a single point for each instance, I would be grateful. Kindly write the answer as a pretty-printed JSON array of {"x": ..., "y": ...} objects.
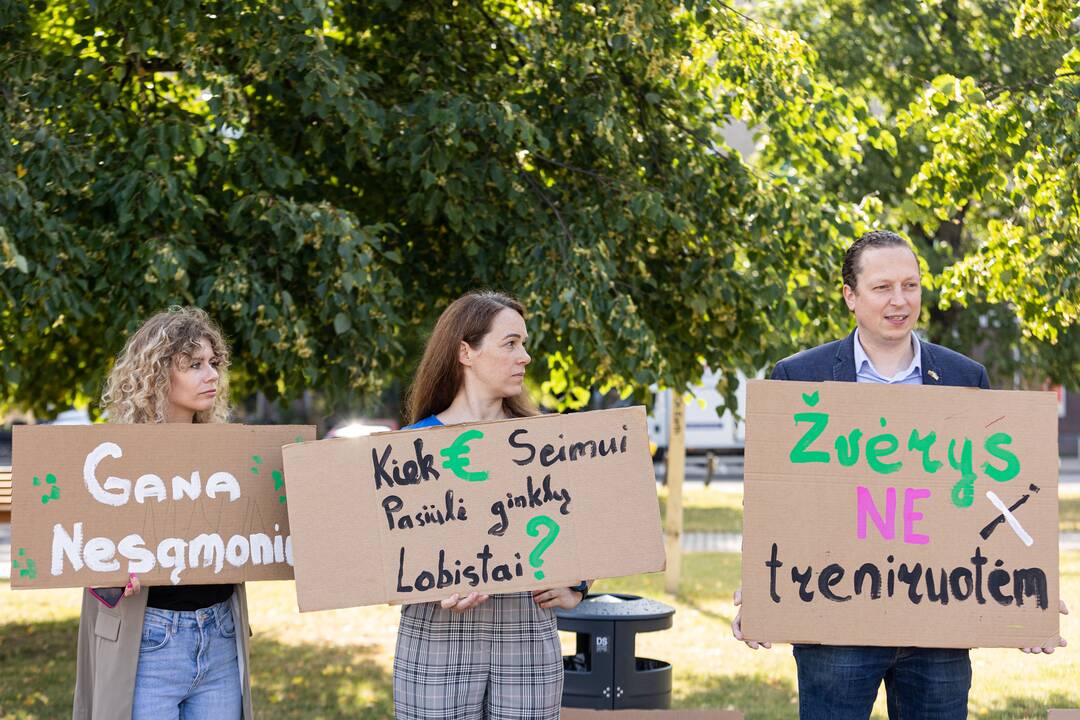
[{"x": 108, "y": 656}]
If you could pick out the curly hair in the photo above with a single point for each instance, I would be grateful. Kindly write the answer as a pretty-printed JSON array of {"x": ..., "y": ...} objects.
[{"x": 137, "y": 388}]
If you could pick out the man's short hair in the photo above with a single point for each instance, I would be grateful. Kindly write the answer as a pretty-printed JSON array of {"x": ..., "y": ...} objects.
[{"x": 872, "y": 239}]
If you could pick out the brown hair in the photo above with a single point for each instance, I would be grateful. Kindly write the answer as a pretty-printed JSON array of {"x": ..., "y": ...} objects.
[
  {"x": 872, "y": 239},
  {"x": 137, "y": 388},
  {"x": 440, "y": 375}
]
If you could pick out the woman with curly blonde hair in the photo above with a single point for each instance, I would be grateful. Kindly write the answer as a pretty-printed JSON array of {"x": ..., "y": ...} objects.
[
  {"x": 162, "y": 653},
  {"x": 137, "y": 389}
]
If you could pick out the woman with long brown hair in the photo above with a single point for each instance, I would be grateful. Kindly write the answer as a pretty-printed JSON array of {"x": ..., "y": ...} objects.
[
  {"x": 478, "y": 657},
  {"x": 162, "y": 653}
]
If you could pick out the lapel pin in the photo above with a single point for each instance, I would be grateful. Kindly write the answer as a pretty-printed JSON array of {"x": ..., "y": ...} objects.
[{"x": 934, "y": 375}]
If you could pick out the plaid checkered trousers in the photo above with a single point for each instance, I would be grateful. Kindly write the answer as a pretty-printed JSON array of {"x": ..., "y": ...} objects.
[{"x": 498, "y": 661}]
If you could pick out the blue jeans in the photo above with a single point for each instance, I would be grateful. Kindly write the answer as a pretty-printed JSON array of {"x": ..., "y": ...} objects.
[
  {"x": 841, "y": 682},
  {"x": 187, "y": 666}
]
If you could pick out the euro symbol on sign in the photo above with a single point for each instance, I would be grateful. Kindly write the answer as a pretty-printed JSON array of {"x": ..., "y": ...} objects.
[{"x": 456, "y": 456}]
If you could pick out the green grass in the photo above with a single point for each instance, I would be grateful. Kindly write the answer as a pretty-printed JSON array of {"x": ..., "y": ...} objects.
[
  {"x": 317, "y": 665},
  {"x": 712, "y": 671},
  {"x": 337, "y": 664},
  {"x": 707, "y": 509}
]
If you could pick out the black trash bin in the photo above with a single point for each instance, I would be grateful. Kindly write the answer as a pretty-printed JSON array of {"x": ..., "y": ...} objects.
[{"x": 604, "y": 673}]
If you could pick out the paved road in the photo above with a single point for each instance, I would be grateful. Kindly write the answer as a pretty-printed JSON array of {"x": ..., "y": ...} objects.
[{"x": 729, "y": 468}]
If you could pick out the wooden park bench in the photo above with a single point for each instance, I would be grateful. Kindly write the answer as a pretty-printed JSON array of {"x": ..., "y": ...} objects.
[{"x": 5, "y": 494}]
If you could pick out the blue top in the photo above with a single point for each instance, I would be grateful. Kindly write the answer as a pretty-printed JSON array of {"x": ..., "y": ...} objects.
[
  {"x": 429, "y": 421},
  {"x": 866, "y": 372}
]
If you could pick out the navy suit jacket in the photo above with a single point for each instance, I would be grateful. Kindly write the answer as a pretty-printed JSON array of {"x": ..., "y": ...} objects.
[{"x": 836, "y": 361}]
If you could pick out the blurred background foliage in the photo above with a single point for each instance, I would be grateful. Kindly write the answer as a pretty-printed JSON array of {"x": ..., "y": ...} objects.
[{"x": 324, "y": 177}]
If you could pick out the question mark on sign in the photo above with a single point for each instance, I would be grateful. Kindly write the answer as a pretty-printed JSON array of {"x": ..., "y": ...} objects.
[{"x": 533, "y": 528}]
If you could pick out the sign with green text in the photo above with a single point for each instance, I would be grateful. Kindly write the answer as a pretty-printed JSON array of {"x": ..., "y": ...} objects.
[
  {"x": 900, "y": 515},
  {"x": 175, "y": 504},
  {"x": 493, "y": 507}
]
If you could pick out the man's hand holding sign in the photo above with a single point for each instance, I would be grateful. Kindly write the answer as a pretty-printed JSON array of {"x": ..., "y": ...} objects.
[{"x": 520, "y": 504}]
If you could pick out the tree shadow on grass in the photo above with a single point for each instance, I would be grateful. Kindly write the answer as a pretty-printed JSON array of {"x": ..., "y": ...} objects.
[
  {"x": 319, "y": 681},
  {"x": 708, "y": 585},
  {"x": 757, "y": 697},
  {"x": 302, "y": 680},
  {"x": 763, "y": 699},
  {"x": 37, "y": 669},
  {"x": 1020, "y": 707},
  {"x": 720, "y": 617}
]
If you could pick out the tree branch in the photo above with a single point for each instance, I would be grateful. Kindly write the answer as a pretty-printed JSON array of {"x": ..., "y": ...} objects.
[
  {"x": 992, "y": 91},
  {"x": 503, "y": 41},
  {"x": 536, "y": 187},
  {"x": 574, "y": 168},
  {"x": 744, "y": 16},
  {"x": 914, "y": 14}
]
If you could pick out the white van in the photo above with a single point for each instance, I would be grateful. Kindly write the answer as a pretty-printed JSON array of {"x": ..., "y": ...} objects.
[{"x": 706, "y": 431}]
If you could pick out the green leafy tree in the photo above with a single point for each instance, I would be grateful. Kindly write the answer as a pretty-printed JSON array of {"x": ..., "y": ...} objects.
[
  {"x": 981, "y": 169},
  {"x": 323, "y": 177}
]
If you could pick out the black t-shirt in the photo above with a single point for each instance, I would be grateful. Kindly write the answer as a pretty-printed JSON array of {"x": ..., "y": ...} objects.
[{"x": 187, "y": 597}]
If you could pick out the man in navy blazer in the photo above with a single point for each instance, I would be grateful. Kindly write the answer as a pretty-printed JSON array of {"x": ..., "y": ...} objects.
[
  {"x": 882, "y": 288},
  {"x": 836, "y": 361}
]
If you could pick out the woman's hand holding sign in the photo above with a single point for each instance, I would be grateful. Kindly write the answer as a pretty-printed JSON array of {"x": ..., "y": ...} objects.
[
  {"x": 111, "y": 596},
  {"x": 563, "y": 597},
  {"x": 457, "y": 603}
]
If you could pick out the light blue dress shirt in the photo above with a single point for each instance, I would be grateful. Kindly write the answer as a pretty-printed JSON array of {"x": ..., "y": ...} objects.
[{"x": 866, "y": 372}]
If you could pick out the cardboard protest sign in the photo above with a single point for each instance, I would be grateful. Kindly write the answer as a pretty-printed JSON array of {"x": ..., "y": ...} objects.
[
  {"x": 900, "y": 515},
  {"x": 578, "y": 714},
  {"x": 176, "y": 504},
  {"x": 496, "y": 507}
]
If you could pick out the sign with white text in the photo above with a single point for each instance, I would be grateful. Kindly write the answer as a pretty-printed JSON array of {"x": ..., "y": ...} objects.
[
  {"x": 175, "y": 504},
  {"x": 900, "y": 515}
]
